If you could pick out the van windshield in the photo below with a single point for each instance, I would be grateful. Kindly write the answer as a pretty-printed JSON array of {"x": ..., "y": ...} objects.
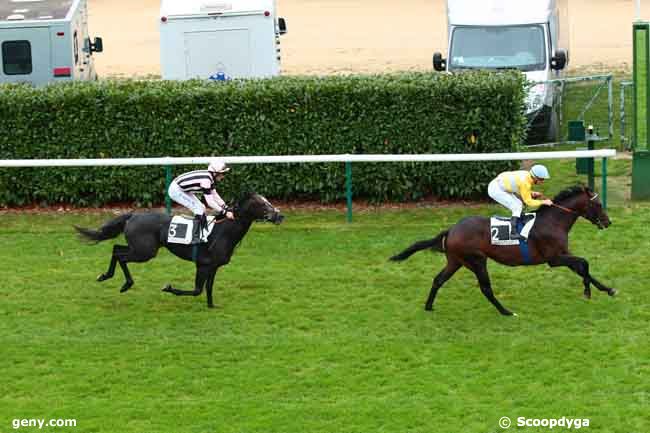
[{"x": 498, "y": 47}]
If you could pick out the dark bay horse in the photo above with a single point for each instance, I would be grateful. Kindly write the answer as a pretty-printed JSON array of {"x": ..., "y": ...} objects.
[
  {"x": 145, "y": 233},
  {"x": 468, "y": 244}
]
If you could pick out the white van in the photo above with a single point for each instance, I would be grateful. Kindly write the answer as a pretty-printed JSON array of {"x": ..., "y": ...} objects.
[
  {"x": 218, "y": 40},
  {"x": 531, "y": 36},
  {"x": 44, "y": 41}
]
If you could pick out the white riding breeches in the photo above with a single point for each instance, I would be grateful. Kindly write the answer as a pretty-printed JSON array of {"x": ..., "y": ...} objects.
[
  {"x": 505, "y": 198},
  {"x": 186, "y": 199}
]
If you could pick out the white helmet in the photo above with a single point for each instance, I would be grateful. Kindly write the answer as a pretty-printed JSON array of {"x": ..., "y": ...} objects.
[
  {"x": 540, "y": 172},
  {"x": 218, "y": 166}
]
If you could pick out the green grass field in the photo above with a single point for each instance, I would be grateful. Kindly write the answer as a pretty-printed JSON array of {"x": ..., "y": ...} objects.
[{"x": 317, "y": 332}]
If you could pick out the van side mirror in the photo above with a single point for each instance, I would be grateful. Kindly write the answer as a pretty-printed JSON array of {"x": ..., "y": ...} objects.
[
  {"x": 282, "y": 25},
  {"x": 558, "y": 61},
  {"x": 439, "y": 64},
  {"x": 97, "y": 46}
]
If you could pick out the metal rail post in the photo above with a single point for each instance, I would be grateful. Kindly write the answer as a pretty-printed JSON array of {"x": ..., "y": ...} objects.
[
  {"x": 590, "y": 161},
  {"x": 604, "y": 187},
  {"x": 348, "y": 188},
  {"x": 168, "y": 180},
  {"x": 610, "y": 107}
]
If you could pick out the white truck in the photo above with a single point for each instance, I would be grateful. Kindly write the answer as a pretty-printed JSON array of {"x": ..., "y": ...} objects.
[
  {"x": 531, "y": 36},
  {"x": 45, "y": 41},
  {"x": 221, "y": 39}
]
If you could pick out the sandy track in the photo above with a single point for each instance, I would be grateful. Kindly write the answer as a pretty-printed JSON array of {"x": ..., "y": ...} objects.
[{"x": 338, "y": 36}]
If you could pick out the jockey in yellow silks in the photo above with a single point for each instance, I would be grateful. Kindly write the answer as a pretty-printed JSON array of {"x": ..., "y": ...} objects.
[{"x": 510, "y": 188}]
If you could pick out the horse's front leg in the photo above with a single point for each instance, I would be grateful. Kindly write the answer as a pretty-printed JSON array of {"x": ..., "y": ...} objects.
[
  {"x": 581, "y": 267},
  {"x": 202, "y": 274},
  {"x": 208, "y": 287}
]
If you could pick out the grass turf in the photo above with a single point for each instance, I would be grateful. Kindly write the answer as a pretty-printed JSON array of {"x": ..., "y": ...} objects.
[{"x": 317, "y": 332}]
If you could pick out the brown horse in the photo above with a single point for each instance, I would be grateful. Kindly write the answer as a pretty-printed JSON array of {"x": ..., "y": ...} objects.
[{"x": 468, "y": 244}]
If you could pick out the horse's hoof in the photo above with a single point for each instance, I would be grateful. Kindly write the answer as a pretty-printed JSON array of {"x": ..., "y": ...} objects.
[
  {"x": 612, "y": 292},
  {"x": 587, "y": 296},
  {"x": 102, "y": 277},
  {"x": 515, "y": 315},
  {"x": 427, "y": 308},
  {"x": 167, "y": 288},
  {"x": 126, "y": 287}
]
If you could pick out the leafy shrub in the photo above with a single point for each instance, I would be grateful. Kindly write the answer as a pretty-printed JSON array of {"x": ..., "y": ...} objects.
[{"x": 375, "y": 114}]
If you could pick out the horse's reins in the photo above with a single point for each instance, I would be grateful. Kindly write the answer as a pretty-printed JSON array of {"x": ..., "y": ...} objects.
[
  {"x": 214, "y": 221},
  {"x": 566, "y": 209}
]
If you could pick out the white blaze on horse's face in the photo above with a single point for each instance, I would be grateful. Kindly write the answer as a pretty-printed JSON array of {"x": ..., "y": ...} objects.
[
  {"x": 265, "y": 201},
  {"x": 271, "y": 213},
  {"x": 269, "y": 205},
  {"x": 596, "y": 214}
]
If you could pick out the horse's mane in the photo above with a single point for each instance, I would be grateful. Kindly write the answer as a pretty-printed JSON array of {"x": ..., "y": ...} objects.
[
  {"x": 570, "y": 192},
  {"x": 244, "y": 196},
  {"x": 564, "y": 195}
]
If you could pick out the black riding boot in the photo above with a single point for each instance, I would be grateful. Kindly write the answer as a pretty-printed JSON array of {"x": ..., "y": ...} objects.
[
  {"x": 200, "y": 221},
  {"x": 514, "y": 234},
  {"x": 204, "y": 223}
]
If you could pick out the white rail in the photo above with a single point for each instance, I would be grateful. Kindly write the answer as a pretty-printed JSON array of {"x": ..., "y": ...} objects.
[
  {"x": 603, "y": 153},
  {"x": 346, "y": 158}
]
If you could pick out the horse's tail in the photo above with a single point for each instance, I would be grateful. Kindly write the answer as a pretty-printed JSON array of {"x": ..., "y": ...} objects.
[
  {"x": 435, "y": 244},
  {"x": 110, "y": 230}
]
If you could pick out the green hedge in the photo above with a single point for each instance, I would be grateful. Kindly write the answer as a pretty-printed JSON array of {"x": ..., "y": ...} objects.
[{"x": 397, "y": 113}]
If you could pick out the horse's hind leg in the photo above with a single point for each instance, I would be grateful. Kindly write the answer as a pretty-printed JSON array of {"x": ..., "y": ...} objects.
[
  {"x": 123, "y": 255},
  {"x": 439, "y": 280},
  {"x": 478, "y": 265},
  {"x": 127, "y": 275},
  {"x": 111, "y": 267},
  {"x": 141, "y": 248}
]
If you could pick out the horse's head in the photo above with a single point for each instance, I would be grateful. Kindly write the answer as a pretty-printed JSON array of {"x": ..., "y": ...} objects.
[
  {"x": 255, "y": 207},
  {"x": 585, "y": 203},
  {"x": 594, "y": 211}
]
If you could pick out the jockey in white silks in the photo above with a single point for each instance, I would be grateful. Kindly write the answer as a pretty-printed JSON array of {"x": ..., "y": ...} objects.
[
  {"x": 510, "y": 188},
  {"x": 184, "y": 188}
]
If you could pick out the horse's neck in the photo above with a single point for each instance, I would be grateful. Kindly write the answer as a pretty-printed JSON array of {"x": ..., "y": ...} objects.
[
  {"x": 242, "y": 227},
  {"x": 558, "y": 218},
  {"x": 235, "y": 230}
]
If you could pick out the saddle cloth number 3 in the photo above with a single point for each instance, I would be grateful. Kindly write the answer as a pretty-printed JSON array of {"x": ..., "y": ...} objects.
[{"x": 179, "y": 232}]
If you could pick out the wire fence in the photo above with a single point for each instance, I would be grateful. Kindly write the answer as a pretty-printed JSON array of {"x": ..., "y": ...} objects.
[
  {"x": 627, "y": 115},
  {"x": 587, "y": 98}
]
